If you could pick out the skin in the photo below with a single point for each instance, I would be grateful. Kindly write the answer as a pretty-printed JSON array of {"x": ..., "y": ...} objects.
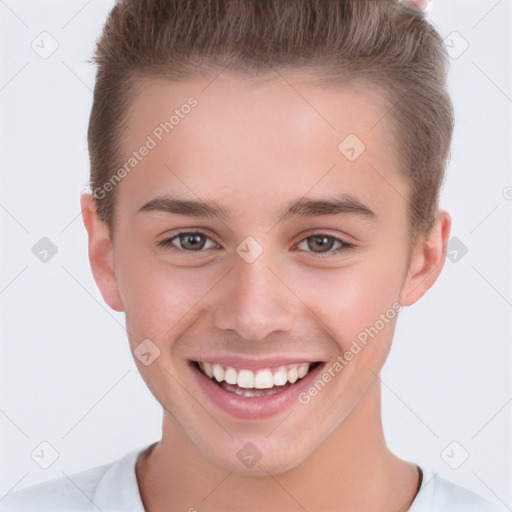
[{"x": 252, "y": 147}]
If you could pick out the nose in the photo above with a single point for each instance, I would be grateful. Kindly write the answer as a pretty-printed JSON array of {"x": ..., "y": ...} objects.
[{"x": 254, "y": 300}]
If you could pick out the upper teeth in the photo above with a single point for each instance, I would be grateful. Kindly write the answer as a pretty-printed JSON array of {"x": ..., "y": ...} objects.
[{"x": 260, "y": 379}]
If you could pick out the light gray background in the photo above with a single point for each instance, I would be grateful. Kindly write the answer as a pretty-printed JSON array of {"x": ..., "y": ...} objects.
[{"x": 67, "y": 375}]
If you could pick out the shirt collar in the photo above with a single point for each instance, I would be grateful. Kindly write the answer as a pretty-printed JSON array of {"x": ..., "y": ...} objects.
[{"x": 118, "y": 489}]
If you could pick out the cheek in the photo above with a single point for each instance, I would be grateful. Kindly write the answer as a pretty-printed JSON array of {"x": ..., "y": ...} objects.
[
  {"x": 351, "y": 299},
  {"x": 157, "y": 296}
]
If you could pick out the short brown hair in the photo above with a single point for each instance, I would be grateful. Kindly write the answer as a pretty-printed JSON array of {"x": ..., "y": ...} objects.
[{"x": 396, "y": 49}]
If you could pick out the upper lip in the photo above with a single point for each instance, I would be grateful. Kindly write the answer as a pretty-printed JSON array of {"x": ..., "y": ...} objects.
[{"x": 240, "y": 362}]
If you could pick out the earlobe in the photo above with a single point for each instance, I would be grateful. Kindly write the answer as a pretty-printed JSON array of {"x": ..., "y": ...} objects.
[
  {"x": 427, "y": 260},
  {"x": 101, "y": 253}
]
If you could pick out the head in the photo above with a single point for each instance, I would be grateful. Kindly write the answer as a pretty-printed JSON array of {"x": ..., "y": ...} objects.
[{"x": 222, "y": 119}]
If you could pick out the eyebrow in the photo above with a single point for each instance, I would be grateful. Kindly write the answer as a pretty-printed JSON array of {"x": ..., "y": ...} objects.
[{"x": 304, "y": 207}]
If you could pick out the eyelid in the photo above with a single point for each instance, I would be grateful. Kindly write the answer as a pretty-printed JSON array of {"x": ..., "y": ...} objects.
[
  {"x": 345, "y": 239},
  {"x": 345, "y": 245},
  {"x": 167, "y": 242}
]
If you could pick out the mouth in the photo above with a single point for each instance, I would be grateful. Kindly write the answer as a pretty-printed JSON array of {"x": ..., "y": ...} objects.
[
  {"x": 251, "y": 383},
  {"x": 252, "y": 393}
]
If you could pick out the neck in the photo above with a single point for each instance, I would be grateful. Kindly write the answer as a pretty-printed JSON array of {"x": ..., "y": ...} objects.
[{"x": 353, "y": 469}]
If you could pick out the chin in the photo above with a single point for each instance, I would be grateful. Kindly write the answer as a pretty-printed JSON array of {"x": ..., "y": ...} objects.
[{"x": 259, "y": 456}]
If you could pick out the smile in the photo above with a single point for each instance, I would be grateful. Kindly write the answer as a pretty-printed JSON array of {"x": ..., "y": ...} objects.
[
  {"x": 245, "y": 382},
  {"x": 256, "y": 392}
]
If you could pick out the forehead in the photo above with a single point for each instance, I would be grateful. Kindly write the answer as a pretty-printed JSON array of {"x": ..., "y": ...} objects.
[
  {"x": 256, "y": 105},
  {"x": 263, "y": 139}
]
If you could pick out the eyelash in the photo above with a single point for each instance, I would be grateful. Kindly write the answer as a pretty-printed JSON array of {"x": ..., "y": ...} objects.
[{"x": 345, "y": 246}]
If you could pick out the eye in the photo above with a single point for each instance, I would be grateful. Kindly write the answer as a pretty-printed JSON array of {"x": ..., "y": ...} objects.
[
  {"x": 323, "y": 244},
  {"x": 190, "y": 241},
  {"x": 195, "y": 241}
]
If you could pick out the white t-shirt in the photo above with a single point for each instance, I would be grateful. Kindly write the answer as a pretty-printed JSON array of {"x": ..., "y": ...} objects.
[{"x": 114, "y": 488}]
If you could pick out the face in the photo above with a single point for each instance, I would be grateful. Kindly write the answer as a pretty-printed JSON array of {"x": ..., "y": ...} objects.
[{"x": 261, "y": 251}]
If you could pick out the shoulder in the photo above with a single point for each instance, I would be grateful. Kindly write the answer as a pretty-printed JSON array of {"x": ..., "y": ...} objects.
[
  {"x": 453, "y": 497},
  {"x": 438, "y": 494},
  {"x": 110, "y": 487},
  {"x": 58, "y": 494}
]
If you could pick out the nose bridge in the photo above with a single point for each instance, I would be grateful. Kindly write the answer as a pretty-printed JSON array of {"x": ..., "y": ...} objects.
[{"x": 253, "y": 300}]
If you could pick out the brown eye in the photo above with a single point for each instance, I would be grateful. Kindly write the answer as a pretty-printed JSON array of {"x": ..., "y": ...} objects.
[
  {"x": 323, "y": 244},
  {"x": 190, "y": 242},
  {"x": 320, "y": 243}
]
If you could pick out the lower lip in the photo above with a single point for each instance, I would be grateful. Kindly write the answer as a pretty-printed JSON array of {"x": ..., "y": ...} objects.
[{"x": 253, "y": 407}]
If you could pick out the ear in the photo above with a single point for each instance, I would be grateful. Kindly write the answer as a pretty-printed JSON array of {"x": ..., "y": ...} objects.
[
  {"x": 101, "y": 253},
  {"x": 427, "y": 260}
]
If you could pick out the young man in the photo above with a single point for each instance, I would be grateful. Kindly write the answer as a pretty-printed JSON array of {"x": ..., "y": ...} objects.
[{"x": 264, "y": 193}]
